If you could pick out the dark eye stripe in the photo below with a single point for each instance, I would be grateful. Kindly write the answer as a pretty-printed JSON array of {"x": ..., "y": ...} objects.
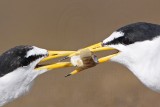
[
  {"x": 120, "y": 40},
  {"x": 30, "y": 59}
]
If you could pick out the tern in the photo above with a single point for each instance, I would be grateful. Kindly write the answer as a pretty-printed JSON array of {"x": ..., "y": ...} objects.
[
  {"x": 20, "y": 66},
  {"x": 137, "y": 47}
]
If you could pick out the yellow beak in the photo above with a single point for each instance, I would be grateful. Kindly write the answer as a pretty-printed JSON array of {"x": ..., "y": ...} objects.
[
  {"x": 94, "y": 48},
  {"x": 85, "y": 53},
  {"x": 53, "y": 55},
  {"x": 97, "y": 48}
]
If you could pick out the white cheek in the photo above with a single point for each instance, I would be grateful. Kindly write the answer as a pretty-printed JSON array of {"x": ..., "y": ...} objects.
[
  {"x": 36, "y": 51},
  {"x": 125, "y": 55},
  {"x": 120, "y": 47}
]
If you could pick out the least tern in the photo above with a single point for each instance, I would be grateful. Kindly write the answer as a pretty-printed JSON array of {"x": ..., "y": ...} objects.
[
  {"x": 137, "y": 48},
  {"x": 19, "y": 67}
]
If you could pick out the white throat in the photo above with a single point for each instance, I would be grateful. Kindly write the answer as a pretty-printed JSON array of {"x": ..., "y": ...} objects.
[
  {"x": 143, "y": 59},
  {"x": 17, "y": 83}
]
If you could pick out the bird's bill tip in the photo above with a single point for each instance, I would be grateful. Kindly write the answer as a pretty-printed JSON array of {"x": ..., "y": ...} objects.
[{"x": 73, "y": 72}]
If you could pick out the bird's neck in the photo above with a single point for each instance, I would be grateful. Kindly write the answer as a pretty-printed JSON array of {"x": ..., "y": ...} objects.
[
  {"x": 145, "y": 64},
  {"x": 15, "y": 84},
  {"x": 143, "y": 59}
]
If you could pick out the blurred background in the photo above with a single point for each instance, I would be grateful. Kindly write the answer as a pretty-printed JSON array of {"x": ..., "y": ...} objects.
[{"x": 70, "y": 25}]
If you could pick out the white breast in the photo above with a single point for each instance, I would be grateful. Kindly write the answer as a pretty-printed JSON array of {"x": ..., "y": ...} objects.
[{"x": 16, "y": 84}]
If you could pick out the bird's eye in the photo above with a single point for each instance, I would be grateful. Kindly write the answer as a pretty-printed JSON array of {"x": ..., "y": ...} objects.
[{"x": 125, "y": 41}]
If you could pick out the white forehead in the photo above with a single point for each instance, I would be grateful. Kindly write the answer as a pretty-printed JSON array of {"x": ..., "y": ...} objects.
[
  {"x": 113, "y": 36},
  {"x": 36, "y": 51}
]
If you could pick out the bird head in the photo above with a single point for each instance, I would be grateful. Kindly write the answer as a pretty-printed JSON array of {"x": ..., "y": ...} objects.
[
  {"x": 24, "y": 57},
  {"x": 135, "y": 46},
  {"x": 19, "y": 67},
  {"x": 28, "y": 58},
  {"x": 135, "y": 43}
]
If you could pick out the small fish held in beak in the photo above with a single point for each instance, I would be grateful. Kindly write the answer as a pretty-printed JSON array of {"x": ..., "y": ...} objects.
[{"x": 84, "y": 59}]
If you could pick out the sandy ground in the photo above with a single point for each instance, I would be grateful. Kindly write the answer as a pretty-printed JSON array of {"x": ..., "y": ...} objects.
[{"x": 70, "y": 25}]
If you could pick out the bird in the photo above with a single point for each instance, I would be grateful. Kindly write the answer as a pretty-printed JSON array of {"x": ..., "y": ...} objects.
[
  {"x": 137, "y": 47},
  {"x": 19, "y": 66}
]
